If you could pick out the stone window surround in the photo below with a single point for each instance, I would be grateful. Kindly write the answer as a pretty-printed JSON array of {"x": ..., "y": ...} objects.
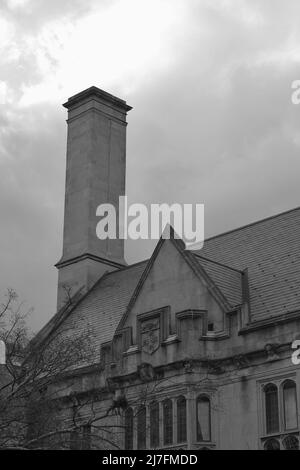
[
  {"x": 279, "y": 381},
  {"x": 191, "y": 441}
]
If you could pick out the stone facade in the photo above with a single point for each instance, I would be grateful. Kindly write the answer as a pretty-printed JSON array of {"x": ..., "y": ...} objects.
[{"x": 192, "y": 350}]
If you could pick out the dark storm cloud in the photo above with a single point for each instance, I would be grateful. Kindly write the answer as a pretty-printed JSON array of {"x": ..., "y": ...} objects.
[
  {"x": 32, "y": 157},
  {"x": 220, "y": 127},
  {"x": 30, "y": 207}
]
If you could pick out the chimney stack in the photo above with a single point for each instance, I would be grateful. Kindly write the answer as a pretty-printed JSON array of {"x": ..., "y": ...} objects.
[{"x": 95, "y": 174}]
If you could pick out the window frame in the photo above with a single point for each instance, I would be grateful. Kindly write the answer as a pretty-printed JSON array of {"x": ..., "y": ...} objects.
[
  {"x": 129, "y": 410},
  {"x": 208, "y": 398},
  {"x": 285, "y": 429},
  {"x": 179, "y": 440},
  {"x": 141, "y": 414},
  {"x": 81, "y": 437},
  {"x": 155, "y": 434},
  {"x": 279, "y": 382},
  {"x": 170, "y": 425},
  {"x": 275, "y": 386}
]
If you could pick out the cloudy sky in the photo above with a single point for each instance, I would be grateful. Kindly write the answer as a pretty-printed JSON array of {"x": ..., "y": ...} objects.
[{"x": 213, "y": 122}]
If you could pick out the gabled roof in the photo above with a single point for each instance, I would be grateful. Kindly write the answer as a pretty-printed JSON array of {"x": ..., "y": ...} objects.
[
  {"x": 105, "y": 307},
  {"x": 210, "y": 272},
  {"x": 270, "y": 250}
]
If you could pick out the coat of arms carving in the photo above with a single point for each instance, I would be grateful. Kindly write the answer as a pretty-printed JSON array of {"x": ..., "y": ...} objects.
[{"x": 150, "y": 335}]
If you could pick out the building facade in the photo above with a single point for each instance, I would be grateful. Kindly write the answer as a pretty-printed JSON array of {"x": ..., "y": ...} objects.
[{"x": 191, "y": 349}]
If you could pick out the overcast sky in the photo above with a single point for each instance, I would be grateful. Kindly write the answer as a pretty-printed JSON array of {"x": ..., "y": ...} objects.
[{"x": 213, "y": 122}]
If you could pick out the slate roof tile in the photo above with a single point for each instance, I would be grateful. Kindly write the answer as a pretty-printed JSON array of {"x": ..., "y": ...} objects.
[
  {"x": 270, "y": 249},
  {"x": 228, "y": 280},
  {"x": 101, "y": 309}
]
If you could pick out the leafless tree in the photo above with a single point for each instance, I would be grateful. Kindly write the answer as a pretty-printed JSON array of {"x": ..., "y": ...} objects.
[
  {"x": 39, "y": 405},
  {"x": 32, "y": 385}
]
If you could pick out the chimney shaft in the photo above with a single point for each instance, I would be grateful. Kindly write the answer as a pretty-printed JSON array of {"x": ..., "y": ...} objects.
[{"x": 95, "y": 174}]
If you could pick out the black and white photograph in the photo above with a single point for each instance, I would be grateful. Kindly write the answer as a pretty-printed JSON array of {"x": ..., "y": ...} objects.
[{"x": 149, "y": 229}]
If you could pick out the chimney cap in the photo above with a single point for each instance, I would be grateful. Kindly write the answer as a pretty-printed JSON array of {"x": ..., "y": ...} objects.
[{"x": 95, "y": 92}]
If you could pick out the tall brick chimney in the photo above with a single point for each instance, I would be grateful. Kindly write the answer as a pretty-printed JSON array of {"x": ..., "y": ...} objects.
[{"x": 95, "y": 174}]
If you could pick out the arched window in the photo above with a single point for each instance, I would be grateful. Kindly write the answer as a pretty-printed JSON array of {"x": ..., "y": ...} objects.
[
  {"x": 290, "y": 443},
  {"x": 154, "y": 424},
  {"x": 290, "y": 405},
  {"x": 181, "y": 420},
  {"x": 129, "y": 429},
  {"x": 271, "y": 408},
  {"x": 203, "y": 419},
  {"x": 272, "y": 444},
  {"x": 141, "y": 428},
  {"x": 168, "y": 422}
]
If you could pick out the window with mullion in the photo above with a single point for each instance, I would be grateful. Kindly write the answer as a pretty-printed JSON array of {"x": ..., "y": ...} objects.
[
  {"x": 290, "y": 412},
  {"x": 281, "y": 412},
  {"x": 129, "y": 429}
]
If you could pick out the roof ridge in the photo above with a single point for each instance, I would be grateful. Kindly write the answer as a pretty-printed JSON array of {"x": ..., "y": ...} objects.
[
  {"x": 252, "y": 223},
  {"x": 108, "y": 273},
  {"x": 218, "y": 263}
]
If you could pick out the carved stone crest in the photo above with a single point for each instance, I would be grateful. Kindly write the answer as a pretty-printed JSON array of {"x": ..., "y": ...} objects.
[
  {"x": 150, "y": 335},
  {"x": 146, "y": 372},
  {"x": 271, "y": 351},
  {"x": 188, "y": 366}
]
